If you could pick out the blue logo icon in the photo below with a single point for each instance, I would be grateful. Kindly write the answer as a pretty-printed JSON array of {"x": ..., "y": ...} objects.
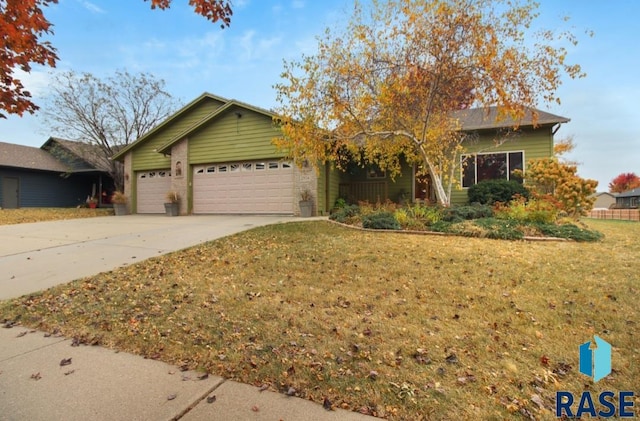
[{"x": 595, "y": 363}]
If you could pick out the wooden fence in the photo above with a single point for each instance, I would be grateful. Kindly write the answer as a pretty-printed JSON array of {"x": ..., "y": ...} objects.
[
  {"x": 620, "y": 214},
  {"x": 366, "y": 191}
]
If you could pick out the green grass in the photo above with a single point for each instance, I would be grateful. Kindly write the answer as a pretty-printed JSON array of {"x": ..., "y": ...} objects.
[
  {"x": 394, "y": 325},
  {"x": 25, "y": 215}
]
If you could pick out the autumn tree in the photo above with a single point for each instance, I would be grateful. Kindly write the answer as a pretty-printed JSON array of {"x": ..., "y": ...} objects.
[
  {"x": 558, "y": 179},
  {"x": 386, "y": 85},
  {"x": 106, "y": 114},
  {"x": 23, "y": 27},
  {"x": 624, "y": 182}
]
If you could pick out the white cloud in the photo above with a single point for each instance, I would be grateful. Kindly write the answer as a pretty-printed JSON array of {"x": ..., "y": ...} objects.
[
  {"x": 37, "y": 82},
  {"x": 93, "y": 8}
]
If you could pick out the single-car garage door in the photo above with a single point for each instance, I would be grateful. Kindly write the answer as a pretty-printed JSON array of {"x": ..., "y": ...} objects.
[
  {"x": 152, "y": 188},
  {"x": 244, "y": 187}
]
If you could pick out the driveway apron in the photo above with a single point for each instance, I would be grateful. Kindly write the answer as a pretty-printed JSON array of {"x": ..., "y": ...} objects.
[{"x": 40, "y": 255}]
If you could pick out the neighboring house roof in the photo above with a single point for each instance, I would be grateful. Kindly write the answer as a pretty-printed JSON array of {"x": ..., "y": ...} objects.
[
  {"x": 80, "y": 156},
  {"x": 604, "y": 193},
  {"x": 120, "y": 155},
  {"x": 20, "y": 156},
  {"x": 630, "y": 193},
  {"x": 487, "y": 118}
]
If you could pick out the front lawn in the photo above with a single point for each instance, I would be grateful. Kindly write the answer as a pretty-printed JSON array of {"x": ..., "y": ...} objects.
[
  {"x": 394, "y": 325},
  {"x": 25, "y": 215}
]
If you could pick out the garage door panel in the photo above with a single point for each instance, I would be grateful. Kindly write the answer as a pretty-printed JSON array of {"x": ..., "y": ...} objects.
[
  {"x": 248, "y": 187},
  {"x": 151, "y": 189}
]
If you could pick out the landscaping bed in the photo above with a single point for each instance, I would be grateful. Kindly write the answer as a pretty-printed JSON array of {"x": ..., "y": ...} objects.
[{"x": 482, "y": 221}]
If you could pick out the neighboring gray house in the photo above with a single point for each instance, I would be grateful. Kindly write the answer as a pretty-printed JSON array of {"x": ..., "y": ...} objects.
[
  {"x": 54, "y": 175},
  {"x": 629, "y": 199},
  {"x": 604, "y": 200}
]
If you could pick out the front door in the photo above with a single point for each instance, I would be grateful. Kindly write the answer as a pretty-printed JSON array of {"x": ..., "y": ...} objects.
[{"x": 10, "y": 189}]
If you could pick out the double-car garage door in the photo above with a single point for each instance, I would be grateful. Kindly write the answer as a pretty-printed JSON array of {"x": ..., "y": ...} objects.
[
  {"x": 244, "y": 187},
  {"x": 263, "y": 187}
]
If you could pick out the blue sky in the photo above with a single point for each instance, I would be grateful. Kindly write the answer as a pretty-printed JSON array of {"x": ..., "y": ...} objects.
[{"x": 244, "y": 62}]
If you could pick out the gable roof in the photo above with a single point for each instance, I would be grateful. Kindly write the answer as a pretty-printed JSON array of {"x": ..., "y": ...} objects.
[
  {"x": 487, "y": 118},
  {"x": 120, "y": 155},
  {"x": 630, "y": 193},
  {"x": 20, "y": 156},
  {"x": 166, "y": 148},
  {"x": 80, "y": 156}
]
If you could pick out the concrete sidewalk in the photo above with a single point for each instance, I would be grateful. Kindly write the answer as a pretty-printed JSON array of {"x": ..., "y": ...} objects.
[
  {"x": 95, "y": 383},
  {"x": 100, "y": 384}
]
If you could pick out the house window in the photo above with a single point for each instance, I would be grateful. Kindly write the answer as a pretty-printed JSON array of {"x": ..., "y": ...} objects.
[
  {"x": 222, "y": 168},
  {"x": 200, "y": 171},
  {"x": 273, "y": 165},
  {"x": 491, "y": 166},
  {"x": 260, "y": 166},
  {"x": 234, "y": 167},
  {"x": 247, "y": 166},
  {"x": 286, "y": 165},
  {"x": 211, "y": 169}
]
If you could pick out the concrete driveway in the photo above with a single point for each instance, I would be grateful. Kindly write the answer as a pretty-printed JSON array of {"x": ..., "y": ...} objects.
[{"x": 39, "y": 255}]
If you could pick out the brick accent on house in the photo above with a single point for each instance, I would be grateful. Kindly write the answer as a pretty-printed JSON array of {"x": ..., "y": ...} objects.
[
  {"x": 180, "y": 173},
  {"x": 305, "y": 178}
]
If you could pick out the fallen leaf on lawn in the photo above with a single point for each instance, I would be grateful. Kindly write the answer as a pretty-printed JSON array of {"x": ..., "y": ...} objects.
[
  {"x": 452, "y": 359},
  {"x": 537, "y": 400},
  {"x": 172, "y": 397},
  {"x": 544, "y": 360},
  {"x": 65, "y": 361},
  {"x": 211, "y": 399},
  {"x": 373, "y": 374},
  {"x": 263, "y": 388},
  {"x": 69, "y": 372},
  {"x": 326, "y": 404},
  {"x": 291, "y": 391},
  {"x": 203, "y": 376},
  {"x": 36, "y": 376}
]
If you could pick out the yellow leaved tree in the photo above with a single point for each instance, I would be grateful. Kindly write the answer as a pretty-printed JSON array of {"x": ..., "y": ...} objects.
[
  {"x": 559, "y": 179},
  {"x": 383, "y": 89}
]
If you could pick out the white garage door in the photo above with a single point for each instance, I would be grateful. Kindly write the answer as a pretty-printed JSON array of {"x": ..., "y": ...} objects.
[
  {"x": 244, "y": 187},
  {"x": 152, "y": 188}
]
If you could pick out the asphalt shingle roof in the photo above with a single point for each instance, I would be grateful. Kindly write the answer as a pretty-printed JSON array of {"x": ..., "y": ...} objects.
[
  {"x": 20, "y": 156},
  {"x": 487, "y": 118},
  {"x": 630, "y": 193}
]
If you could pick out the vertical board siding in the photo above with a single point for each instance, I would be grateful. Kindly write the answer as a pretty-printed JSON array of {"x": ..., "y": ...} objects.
[
  {"x": 535, "y": 144},
  {"x": 229, "y": 138},
  {"x": 145, "y": 156}
]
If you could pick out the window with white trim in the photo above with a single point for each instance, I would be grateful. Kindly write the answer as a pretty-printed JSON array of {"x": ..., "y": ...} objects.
[{"x": 491, "y": 166}]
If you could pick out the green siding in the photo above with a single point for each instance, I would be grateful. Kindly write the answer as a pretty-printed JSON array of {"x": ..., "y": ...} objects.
[
  {"x": 145, "y": 156},
  {"x": 535, "y": 144},
  {"x": 229, "y": 138}
]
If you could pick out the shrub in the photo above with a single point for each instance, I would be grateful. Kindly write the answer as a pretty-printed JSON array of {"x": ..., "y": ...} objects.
[
  {"x": 462, "y": 213},
  {"x": 345, "y": 213},
  {"x": 426, "y": 214},
  {"x": 534, "y": 210},
  {"x": 402, "y": 216},
  {"x": 489, "y": 192},
  {"x": 380, "y": 221},
  {"x": 569, "y": 231},
  {"x": 501, "y": 229}
]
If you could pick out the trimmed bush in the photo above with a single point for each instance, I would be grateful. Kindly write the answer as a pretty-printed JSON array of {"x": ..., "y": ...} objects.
[
  {"x": 380, "y": 221},
  {"x": 489, "y": 192}
]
